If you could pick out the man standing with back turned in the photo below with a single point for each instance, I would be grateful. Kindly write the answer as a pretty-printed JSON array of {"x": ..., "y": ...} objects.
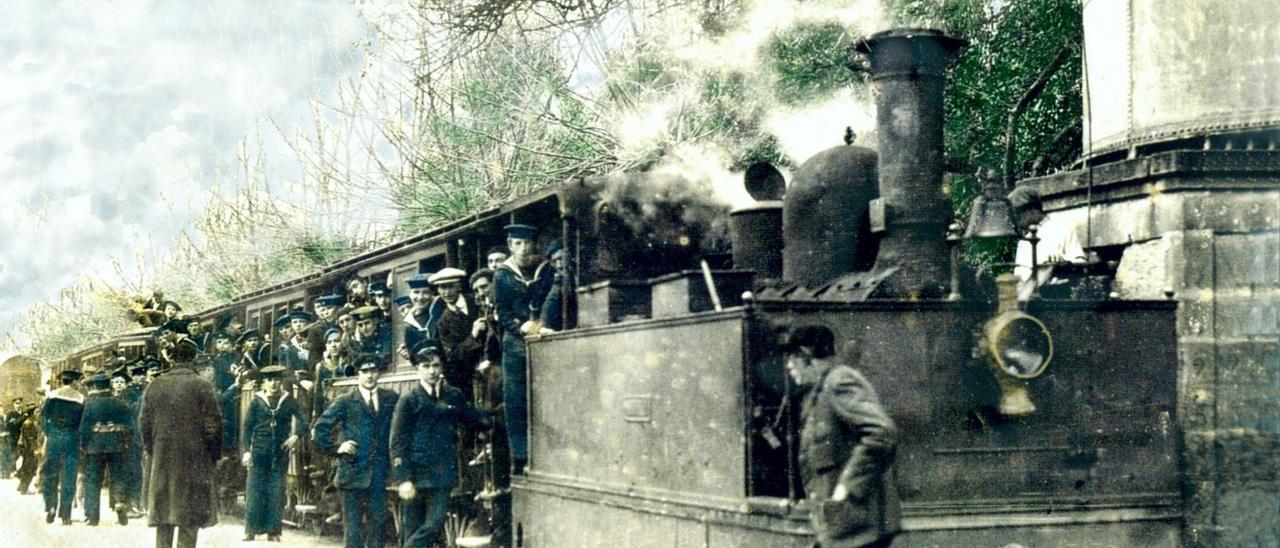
[
  {"x": 182, "y": 434},
  {"x": 846, "y": 446}
]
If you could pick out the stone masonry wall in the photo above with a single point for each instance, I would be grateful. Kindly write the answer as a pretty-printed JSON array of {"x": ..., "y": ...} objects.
[{"x": 1219, "y": 252}]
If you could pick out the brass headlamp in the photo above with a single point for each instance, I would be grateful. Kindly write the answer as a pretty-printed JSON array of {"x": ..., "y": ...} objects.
[{"x": 1017, "y": 347}]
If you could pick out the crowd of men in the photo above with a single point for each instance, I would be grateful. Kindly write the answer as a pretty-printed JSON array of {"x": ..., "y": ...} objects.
[{"x": 167, "y": 431}]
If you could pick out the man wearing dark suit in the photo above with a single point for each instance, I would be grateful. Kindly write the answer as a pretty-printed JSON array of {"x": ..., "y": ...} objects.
[
  {"x": 11, "y": 427},
  {"x": 423, "y": 455},
  {"x": 107, "y": 431},
  {"x": 456, "y": 325},
  {"x": 846, "y": 446},
  {"x": 355, "y": 429}
]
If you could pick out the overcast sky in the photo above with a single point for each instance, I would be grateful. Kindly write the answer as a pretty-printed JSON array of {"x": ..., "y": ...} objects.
[{"x": 105, "y": 106}]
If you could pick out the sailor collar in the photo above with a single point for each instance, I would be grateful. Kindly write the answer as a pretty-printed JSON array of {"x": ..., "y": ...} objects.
[
  {"x": 263, "y": 395},
  {"x": 511, "y": 266},
  {"x": 68, "y": 394}
]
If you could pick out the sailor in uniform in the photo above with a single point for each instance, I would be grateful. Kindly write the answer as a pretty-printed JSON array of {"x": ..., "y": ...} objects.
[
  {"x": 520, "y": 286},
  {"x": 61, "y": 416},
  {"x": 107, "y": 430},
  {"x": 273, "y": 426},
  {"x": 416, "y": 321}
]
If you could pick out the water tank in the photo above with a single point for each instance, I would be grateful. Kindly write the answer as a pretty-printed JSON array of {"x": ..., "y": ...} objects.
[{"x": 1159, "y": 70}]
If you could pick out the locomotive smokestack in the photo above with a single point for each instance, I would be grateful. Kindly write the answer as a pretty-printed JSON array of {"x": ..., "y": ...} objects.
[{"x": 908, "y": 72}]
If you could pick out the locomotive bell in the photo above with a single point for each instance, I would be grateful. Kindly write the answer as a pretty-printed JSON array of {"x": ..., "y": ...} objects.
[{"x": 1017, "y": 347}]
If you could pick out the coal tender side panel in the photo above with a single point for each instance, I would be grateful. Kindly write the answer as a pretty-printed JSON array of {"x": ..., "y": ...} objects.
[{"x": 653, "y": 407}]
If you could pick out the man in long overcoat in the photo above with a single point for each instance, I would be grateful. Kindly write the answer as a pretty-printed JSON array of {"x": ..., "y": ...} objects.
[
  {"x": 423, "y": 455},
  {"x": 846, "y": 446},
  {"x": 182, "y": 434},
  {"x": 355, "y": 429}
]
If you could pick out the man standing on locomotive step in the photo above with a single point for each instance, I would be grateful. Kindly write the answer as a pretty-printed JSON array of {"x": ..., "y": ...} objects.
[
  {"x": 61, "y": 416},
  {"x": 424, "y": 457},
  {"x": 356, "y": 430},
  {"x": 520, "y": 285},
  {"x": 847, "y": 446}
]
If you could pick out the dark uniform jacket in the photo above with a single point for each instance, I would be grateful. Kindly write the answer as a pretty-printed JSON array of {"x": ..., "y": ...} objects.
[
  {"x": 849, "y": 439},
  {"x": 267, "y": 427},
  {"x": 415, "y": 327},
  {"x": 518, "y": 294},
  {"x": 553, "y": 307},
  {"x": 349, "y": 418},
  {"x": 182, "y": 432},
  {"x": 379, "y": 344},
  {"x": 222, "y": 365},
  {"x": 462, "y": 352},
  {"x": 422, "y": 436},
  {"x": 315, "y": 342},
  {"x": 255, "y": 359},
  {"x": 62, "y": 412},
  {"x": 107, "y": 425}
]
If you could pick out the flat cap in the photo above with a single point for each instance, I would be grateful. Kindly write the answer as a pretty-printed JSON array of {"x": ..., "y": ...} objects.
[
  {"x": 366, "y": 361},
  {"x": 248, "y": 334},
  {"x": 817, "y": 338},
  {"x": 447, "y": 275}
]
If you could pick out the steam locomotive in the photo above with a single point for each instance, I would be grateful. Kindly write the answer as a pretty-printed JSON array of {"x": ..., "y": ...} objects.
[{"x": 661, "y": 414}]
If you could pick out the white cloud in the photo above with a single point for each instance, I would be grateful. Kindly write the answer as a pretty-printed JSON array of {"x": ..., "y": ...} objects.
[{"x": 108, "y": 107}]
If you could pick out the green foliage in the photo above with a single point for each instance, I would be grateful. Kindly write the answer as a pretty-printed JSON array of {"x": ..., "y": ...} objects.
[
  {"x": 1008, "y": 51},
  {"x": 810, "y": 60}
]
